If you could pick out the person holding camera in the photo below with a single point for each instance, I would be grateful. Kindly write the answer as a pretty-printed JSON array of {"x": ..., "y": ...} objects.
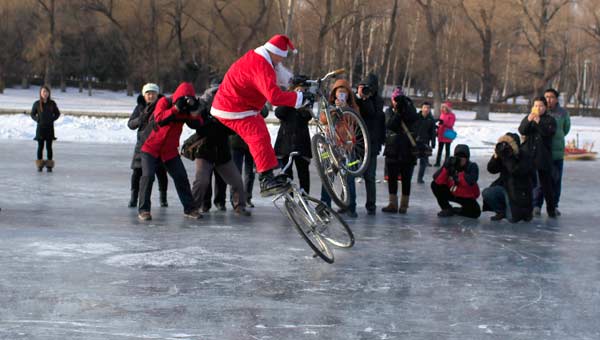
[
  {"x": 445, "y": 122},
  {"x": 212, "y": 153},
  {"x": 456, "y": 181},
  {"x": 162, "y": 144},
  {"x": 510, "y": 195},
  {"x": 425, "y": 130},
  {"x": 293, "y": 135},
  {"x": 399, "y": 156},
  {"x": 539, "y": 128},
  {"x": 370, "y": 106},
  {"x": 139, "y": 120}
]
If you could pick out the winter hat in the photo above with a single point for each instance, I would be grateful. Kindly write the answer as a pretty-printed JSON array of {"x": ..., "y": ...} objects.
[
  {"x": 448, "y": 104},
  {"x": 397, "y": 92},
  {"x": 279, "y": 44},
  {"x": 462, "y": 150},
  {"x": 511, "y": 139},
  {"x": 150, "y": 87}
]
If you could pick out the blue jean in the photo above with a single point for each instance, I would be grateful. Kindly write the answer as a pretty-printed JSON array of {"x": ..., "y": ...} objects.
[
  {"x": 557, "y": 172},
  {"x": 497, "y": 198}
]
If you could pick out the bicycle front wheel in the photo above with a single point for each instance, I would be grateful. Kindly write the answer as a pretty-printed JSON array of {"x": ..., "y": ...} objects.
[
  {"x": 329, "y": 225},
  {"x": 333, "y": 178},
  {"x": 352, "y": 145},
  {"x": 305, "y": 227}
]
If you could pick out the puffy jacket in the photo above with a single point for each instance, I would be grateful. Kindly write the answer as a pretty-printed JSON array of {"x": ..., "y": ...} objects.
[
  {"x": 538, "y": 140},
  {"x": 293, "y": 134},
  {"x": 139, "y": 120},
  {"x": 466, "y": 184},
  {"x": 516, "y": 172},
  {"x": 163, "y": 141},
  {"x": 447, "y": 122},
  {"x": 563, "y": 126}
]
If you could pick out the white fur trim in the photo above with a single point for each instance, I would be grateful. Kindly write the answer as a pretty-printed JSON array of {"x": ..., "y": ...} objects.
[
  {"x": 262, "y": 51},
  {"x": 232, "y": 115},
  {"x": 299, "y": 98},
  {"x": 274, "y": 49}
]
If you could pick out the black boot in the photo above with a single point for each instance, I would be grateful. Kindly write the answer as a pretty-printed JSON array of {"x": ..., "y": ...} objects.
[
  {"x": 272, "y": 185},
  {"x": 163, "y": 199},
  {"x": 499, "y": 216},
  {"x": 133, "y": 201}
]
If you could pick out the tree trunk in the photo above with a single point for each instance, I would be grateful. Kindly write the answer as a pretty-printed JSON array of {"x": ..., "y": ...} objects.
[
  {"x": 487, "y": 78},
  {"x": 24, "y": 82},
  {"x": 89, "y": 83},
  {"x": 388, "y": 44},
  {"x": 2, "y": 83},
  {"x": 290, "y": 17}
]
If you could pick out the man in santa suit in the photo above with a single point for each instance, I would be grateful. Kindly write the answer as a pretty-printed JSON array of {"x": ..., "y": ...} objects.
[{"x": 249, "y": 83}]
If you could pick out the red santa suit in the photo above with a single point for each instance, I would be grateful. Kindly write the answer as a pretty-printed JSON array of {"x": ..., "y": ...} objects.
[{"x": 248, "y": 84}]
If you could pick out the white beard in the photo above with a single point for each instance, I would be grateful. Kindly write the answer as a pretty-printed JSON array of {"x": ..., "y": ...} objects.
[{"x": 284, "y": 75}]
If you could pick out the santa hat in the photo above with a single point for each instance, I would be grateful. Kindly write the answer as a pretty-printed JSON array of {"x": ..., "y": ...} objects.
[{"x": 279, "y": 44}]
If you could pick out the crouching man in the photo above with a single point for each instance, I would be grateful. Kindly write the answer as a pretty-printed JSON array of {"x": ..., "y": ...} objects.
[
  {"x": 510, "y": 196},
  {"x": 456, "y": 181}
]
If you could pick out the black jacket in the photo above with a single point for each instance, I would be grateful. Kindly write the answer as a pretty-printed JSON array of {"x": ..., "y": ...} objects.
[
  {"x": 515, "y": 169},
  {"x": 293, "y": 134},
  {"x": 425, "y": 129},
  {"x": 45, "y": 119},
  {"x": 371, "y": 110},
  {"x": 139, "y": 120},
  {"x": 214, "y": 137},
  {"x": 237, "y": 142},
  {"x": 538, "y": 140},
  {"x": 397, "y": 144}
]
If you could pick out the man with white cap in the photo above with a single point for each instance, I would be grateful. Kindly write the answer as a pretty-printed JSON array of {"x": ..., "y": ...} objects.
[{"x": 249, "y": 83}]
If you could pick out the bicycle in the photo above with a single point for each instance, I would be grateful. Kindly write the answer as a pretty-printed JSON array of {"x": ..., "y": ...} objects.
[
  {"x": 317, "y": 223},
  {"x": 340, "y": 145}
]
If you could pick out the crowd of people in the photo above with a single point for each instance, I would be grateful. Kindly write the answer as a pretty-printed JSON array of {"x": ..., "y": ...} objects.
[{"x": 232, "y": 139}]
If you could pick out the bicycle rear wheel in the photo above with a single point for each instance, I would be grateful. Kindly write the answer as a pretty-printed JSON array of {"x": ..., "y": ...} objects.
[
  {"x": 305, "y": 227},
  {"x": 333, "y": 178},
  {"x": 330, "y": 226},
  {"x": 352, "y": 147}
]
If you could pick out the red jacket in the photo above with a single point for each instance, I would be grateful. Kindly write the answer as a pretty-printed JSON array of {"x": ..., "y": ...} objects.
[
  {"x": 163, "y": 141},
  {"x": 462, "y": 189},
  {"x": 448, "y": 119},
  {"x": 248, "y": 84}
]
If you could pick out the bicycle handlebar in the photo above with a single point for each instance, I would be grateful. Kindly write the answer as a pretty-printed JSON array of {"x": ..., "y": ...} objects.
[
  {"x": 333, "y": 73},
  {"x": 291, "y": 159}
]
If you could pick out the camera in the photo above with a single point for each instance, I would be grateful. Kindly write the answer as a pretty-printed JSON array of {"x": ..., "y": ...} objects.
[
  {"x": 367, "y": 91},
  {"x": 503, "y": 149}
]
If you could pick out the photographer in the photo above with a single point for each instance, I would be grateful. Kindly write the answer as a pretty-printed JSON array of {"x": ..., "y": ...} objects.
[
  {"x": 539, "y": 128},
  {"x": 370, "y": 106},
  {"x": 399, "y": 156},
  {"x": 163, "y": 144},
  {"x": 426, "y": 135},
  {"x": 509, "y": 195},
  {"x": 456, "y": 181}
]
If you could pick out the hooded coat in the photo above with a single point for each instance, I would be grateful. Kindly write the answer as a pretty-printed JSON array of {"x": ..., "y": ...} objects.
[
  {"x": 371, "y": 110},
  {"x": 515, "y": 171},
  {"x": 139, "y": 120},
  {"x": 163, "y": 141},
  {"x": 464, "y": 181},
  {"x": 447, "y": 118}
]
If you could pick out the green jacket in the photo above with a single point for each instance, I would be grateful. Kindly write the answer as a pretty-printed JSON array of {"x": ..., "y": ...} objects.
[{"x": 563, "y": 125}]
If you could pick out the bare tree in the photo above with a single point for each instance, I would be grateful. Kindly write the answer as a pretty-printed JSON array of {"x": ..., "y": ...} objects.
[
  {"x": 49, "y": 9},
  {"x": 388, "y": 43}
]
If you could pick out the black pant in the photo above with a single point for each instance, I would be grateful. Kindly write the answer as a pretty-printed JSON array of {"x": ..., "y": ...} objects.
[
  {"x": 161, "y": 175},
  {"x": 546, "y": 182},
  {"x": 441, "y": 147},
  {"x": 301, "y": 168},
  {"x": 469, "y": 206},
  {"x": 405, "y": 170},
  {"x": 220, "y": 191},
  {"x": 243, "y": 158},
  {"x": 40, "y": 149},
  {"x": 177, "y": 171}
]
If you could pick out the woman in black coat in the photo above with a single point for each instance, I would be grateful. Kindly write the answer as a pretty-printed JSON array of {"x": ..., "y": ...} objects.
[
  {"x": 44, "y": 112},
  {"x": 399, "y": 158},
  {"x": 139, "y": 120},
  {"x": 293, "y": 135},
  {"x": 538, "y": 129}
]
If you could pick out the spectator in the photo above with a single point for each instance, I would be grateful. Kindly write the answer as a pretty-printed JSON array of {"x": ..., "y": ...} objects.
[
  {"x": 456, "y": 182},
  {"x": 425, "y": 131},
  {"x": 539, "y": 128},
  {"x": 45, "y": 112},
  {"x": 370, "y": 107},
  {"x": 162, "y": 145},
  {"x": 399, "y": 158},
  {"x": 509, "y": 196},
  {"x": 146, "y": 103},
  {"x": 293, "y": 135},
  {"x": 563, "y": 125},
  {"x": 446, "y": 122}
]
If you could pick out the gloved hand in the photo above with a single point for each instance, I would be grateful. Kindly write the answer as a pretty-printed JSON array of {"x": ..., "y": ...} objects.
[
  {"x": 181, "y": 104},
  {"x": 308, "y": 99},
  {"x": 440, "y": 121},
  {"x": 166, "y": 121},
  {"x": 193, "y": 104}
]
